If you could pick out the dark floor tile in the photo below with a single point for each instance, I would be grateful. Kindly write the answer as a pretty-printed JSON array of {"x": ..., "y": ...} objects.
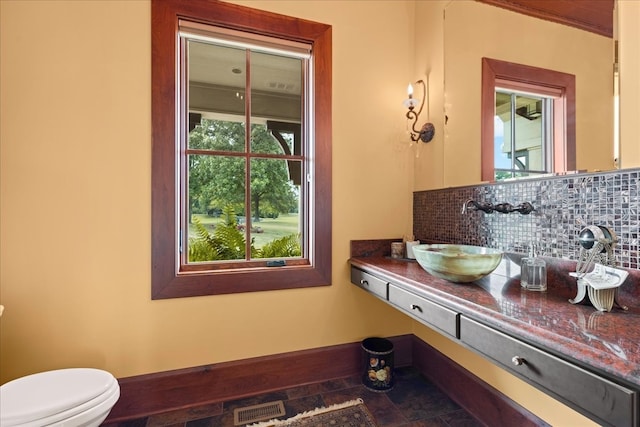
[
  {"x": 382, "y": 409},
  {"x": 406, "y": 372},
  {"x": 209, "y": 422},
  {"x": 140, "y": 422},
  {"x": 418, "y": 399},
  {"x": 311, "y": 389},
  {"x": 223, "y": 420},
  {"x": 431, "y": 422},
  {"x": 179, "y": 417},
  {"x": 387, "y": 418},
  {"x": 255, "y": 400},
  {"x": 303, "y": 404},
  {"x": 343, "y": 395},
  {"x": 353, "y": 381},
  {"x": 460, "y": 418}
]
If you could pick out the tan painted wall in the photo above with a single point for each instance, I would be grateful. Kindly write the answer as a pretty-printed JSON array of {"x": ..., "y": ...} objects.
[
  {"x": 75, "y": 194},
  {"x": 429, "y": 158}
]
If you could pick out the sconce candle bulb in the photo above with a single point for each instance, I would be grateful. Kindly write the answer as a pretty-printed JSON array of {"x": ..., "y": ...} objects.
[{"x": 424, "y": 134}]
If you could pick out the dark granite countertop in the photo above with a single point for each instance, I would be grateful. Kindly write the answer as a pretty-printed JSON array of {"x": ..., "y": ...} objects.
[{"x": 608, "y": 343}]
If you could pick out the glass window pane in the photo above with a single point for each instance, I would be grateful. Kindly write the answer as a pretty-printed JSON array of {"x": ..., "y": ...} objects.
[
  {"x": 218, "y": 135},
  {"x": 216, "y": 208},
  {"x": 521, "y": 145},
  {"x": 275, "y": 207},
  {"x": 217, "y": 81},
  {"x": 529, "y": 136},
  {"x": 276, "y": 91},
  {"x": 263, "y": 141}
]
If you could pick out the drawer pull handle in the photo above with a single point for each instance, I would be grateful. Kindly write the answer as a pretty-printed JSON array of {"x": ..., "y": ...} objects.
[
  {"x": 364, "y": 282},
  {"x": 416, "y": 307},
  {"x": 517, "y": 360}
]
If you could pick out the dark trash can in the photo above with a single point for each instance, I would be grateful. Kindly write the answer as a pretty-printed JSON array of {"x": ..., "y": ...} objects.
[{"x": 378, "y": 364}]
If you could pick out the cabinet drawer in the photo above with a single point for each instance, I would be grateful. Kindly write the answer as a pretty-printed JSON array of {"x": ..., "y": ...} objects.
[
  {"x": 369, "y": 283},
  {"x": 428, "y": 312},
  {"x": 596, "y": 397}
]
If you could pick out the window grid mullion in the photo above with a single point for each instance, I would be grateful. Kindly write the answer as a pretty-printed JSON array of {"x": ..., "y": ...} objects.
[{"x": 247, "y": 150}]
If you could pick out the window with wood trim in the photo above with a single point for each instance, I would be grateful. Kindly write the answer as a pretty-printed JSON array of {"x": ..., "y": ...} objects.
[
  {"x": 241, "y": 166},
  {"x": 537, "y": 98}
]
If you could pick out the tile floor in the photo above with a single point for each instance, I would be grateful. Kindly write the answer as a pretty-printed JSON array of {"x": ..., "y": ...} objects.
[{"x": 413, "y": 402}]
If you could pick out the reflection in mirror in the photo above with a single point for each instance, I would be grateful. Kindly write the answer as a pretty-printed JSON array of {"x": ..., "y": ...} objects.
[
  {"x": 520, "y": 39},
  {"x": 521, "y": 135},
  {"x": 538, "y": 108}
]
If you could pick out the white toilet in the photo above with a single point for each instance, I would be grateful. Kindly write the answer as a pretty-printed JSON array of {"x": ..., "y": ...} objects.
[{"x": 66, "y": 397}]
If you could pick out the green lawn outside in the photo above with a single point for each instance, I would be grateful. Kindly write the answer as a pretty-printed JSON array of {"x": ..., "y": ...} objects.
[{"x": 273, "y": 229}]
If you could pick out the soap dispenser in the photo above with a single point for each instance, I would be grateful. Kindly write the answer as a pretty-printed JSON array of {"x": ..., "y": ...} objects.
[{"x": 533, "y": 271}]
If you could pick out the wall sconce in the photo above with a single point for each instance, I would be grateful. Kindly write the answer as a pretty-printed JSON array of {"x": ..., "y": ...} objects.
[{"x": 424, "y": 134}]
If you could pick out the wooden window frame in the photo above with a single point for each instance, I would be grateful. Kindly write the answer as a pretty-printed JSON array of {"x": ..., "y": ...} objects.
[
  {"x": 167, "y": 281},
  {"x": 562, "y": 86},
  {"x": 595, "y": 16}
]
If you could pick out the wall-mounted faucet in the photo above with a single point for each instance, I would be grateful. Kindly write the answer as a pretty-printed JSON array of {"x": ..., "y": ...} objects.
[
  {"x": 477, "y": 206},
  {"x": 524, "y": 208}
]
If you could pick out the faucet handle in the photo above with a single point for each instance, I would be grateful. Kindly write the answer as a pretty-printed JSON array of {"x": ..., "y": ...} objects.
[
  {"x": 484, "y": 207},
  {"x": 465, "y": 206},
  {"x": 504, "y": 207},
  {"x": 525, "y": 208}
]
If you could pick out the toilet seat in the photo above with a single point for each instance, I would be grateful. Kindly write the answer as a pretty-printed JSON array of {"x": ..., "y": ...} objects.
[{"x": 50, "y": 397}]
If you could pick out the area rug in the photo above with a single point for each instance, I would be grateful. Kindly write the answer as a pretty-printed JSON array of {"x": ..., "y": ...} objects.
[{"x": 353, "y": 413}]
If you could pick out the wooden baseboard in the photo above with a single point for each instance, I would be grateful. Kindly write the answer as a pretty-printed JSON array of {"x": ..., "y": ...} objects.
[
  {"x": 485, "y": 403},
  {"x": 145, "y": 395}
]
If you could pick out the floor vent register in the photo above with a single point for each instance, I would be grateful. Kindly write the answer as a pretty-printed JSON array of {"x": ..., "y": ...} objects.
[{"x": 255, "y": 413}]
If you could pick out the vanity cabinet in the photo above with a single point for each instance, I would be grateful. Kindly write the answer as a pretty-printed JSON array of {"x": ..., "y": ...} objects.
[
  {"x": 597, "y": 396},
  {"x": 369, "y": 283},
  {"x": 432, "y": 314},
  {"x": 602, "y": 400},
  {"x": 428, "y": 312}
]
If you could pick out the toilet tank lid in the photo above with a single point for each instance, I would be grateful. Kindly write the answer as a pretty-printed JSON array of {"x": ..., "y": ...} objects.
[{"x": 47, "y": 393}]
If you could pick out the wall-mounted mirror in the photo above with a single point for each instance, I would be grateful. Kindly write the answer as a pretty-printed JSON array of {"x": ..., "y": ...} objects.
[{"x": 473, "y": 30}]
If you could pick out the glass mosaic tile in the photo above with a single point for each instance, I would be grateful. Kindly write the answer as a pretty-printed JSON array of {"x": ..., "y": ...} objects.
[{"x": 564, "y": 206}]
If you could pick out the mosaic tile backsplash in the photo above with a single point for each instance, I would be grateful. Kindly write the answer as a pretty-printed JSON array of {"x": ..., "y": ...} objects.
[{"x": 564, "y": 205}]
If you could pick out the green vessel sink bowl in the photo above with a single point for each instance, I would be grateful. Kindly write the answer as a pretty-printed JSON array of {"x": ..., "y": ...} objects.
[{"x": 457, "y": 263}]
